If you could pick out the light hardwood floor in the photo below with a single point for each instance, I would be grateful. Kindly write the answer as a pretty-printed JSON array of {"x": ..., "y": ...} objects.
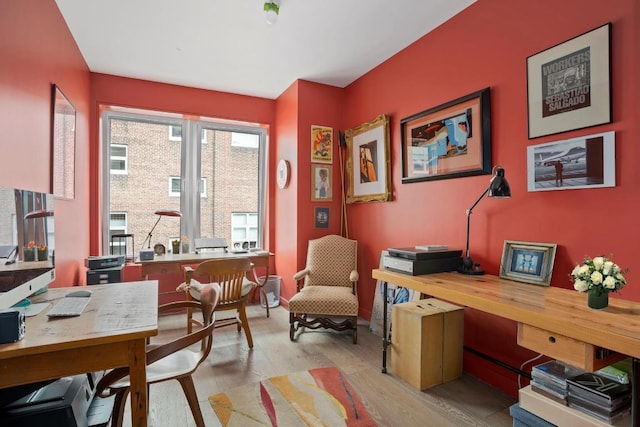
[{"x": 391, "y": 401}]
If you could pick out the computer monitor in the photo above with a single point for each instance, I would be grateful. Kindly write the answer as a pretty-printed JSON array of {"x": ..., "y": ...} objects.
[{"x": 27, "y": 243}]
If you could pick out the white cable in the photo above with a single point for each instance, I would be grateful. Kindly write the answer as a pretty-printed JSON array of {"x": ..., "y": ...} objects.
[{"x": 522, "y": 367}]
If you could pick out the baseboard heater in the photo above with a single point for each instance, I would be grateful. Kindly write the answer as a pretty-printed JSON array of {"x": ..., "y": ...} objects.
[{"x": 497, "y": 362}]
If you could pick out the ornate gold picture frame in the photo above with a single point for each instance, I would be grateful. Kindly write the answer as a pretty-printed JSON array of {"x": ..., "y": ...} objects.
[{"x": 368, "y": 167}]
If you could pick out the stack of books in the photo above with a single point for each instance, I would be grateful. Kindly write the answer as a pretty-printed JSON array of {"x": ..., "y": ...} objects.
[
  {"x": 550, "y": 380},
  {"x": 599, "y": 396}
]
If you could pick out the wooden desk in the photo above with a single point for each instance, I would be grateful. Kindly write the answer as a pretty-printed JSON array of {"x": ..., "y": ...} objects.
[
  {"x": 553, "y": 310},
  {"x": 111, "y": 332},
  {"x": 174, "y": 263}
]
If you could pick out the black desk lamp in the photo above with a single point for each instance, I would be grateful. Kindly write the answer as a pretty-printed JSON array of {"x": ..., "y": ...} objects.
[
  {"x": 160, "y": 213},
  {"x": 499, "y": 188}
]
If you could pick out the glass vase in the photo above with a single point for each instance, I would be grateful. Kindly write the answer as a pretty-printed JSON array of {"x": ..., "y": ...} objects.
[
  {"x": 598, "y": 301},
  {"x": 43, "y": 254},
  {"x": 29, "y": 254}
]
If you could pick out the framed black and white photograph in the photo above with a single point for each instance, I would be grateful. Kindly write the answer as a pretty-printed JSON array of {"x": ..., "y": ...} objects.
[
  {"x": 528, "y": 262},
  {"x": 583, "y": 162},
  {"x": 569, "y": 85},
  {"x": 368, "y": 168},
  {"x": 451, "y": 140}
]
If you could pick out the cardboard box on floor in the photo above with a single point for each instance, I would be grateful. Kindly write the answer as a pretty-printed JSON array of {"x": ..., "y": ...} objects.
[{"x": 426, "y": 342}]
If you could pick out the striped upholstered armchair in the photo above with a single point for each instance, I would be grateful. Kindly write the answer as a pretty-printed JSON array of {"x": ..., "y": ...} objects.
[{"x": 327, "y": 287}]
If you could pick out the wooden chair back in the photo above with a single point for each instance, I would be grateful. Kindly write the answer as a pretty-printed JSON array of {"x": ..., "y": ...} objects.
[
  {"x": 116, "y": 382},
  {"x": 227, "y": 273}
]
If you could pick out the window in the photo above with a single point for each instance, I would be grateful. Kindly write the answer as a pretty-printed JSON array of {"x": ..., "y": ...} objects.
[
  {"x": 118, "y": 159},
  {"x": 244, "y": 230},
  {"x": 117, "y": 225},
  {"x": 175, "y": 133},
  {"x": 174, "y": 186},
  {"x": 169, "y": 166}
]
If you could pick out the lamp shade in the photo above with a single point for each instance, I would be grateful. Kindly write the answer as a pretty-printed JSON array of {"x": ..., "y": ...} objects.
[
  {"x": 38, "y": 214},
  {"x": 168, "y": 212},
  {"x": 498, "y": 186}
]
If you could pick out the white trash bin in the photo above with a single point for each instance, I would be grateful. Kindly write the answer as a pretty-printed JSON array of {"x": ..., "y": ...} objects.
[{"x": 272, "y": 290}]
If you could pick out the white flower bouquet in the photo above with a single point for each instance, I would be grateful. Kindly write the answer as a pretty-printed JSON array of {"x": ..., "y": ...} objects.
[{"x": 598, "y": 276}]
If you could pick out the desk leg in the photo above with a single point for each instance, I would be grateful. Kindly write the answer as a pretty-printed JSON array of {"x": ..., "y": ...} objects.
[
  {"x": 260, "y": 287},
  {"x": 635, "y": 403},
  {"x": 138, "y": 376},
  {"x": 385, "y": 341}
]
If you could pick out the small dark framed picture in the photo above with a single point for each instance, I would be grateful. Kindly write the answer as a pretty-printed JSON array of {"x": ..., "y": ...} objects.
[
  {"x": 528, "y": 262},
  {"x": 321, "y": 217}
]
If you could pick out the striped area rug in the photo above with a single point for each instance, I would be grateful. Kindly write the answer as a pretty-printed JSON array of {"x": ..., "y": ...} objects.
[{"x": 317, "y": 397}]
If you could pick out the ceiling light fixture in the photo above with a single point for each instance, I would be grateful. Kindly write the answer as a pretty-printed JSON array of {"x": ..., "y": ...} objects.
[{"x": 272, "y": 9}]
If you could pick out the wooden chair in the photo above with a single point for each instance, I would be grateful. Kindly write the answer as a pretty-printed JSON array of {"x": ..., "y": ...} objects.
[
  {"x": 327, "y": 287},
  {"x": 205, "y": 245},
  {"x": 173, "y": 360},
  {"x": 229, "y": 274}
]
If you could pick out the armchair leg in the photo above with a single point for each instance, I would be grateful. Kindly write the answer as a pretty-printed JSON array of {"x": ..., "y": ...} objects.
[
  {"x": 292, "y": 328},
  {"x": 355, "y": 330},
  {"x": 192, "y": 398}
]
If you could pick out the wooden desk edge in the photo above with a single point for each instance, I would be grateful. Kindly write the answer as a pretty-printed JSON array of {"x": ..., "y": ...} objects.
[{"x": 589, "y": 332}]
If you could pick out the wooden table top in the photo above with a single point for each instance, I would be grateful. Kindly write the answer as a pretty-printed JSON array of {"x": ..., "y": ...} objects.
[
  {"x": 117, "y": 312},
  {"x": 562, "y": 311}
]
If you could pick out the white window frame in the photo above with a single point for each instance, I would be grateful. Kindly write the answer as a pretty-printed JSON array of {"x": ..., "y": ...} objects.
[
  {"x": 203, "y": 187},
  {"x": 124, "y": 171},
  {"x": 247, "y": 227},
  {"x": 171, "y": 136},
  {"x": 189, "y": 202},
  {"x": 123, "y": 229}
]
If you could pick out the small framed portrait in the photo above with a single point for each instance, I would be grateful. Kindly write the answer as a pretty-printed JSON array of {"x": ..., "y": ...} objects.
[
  {"x": 321, "y": 176},
  {"x": 528, "y": 262}
]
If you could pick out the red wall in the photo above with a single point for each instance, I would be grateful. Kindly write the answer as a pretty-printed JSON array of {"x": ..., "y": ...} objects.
[
  {"x": 487, "y": 45},
  {"x": 302, "y": 105},
  {"x": 36, "y": 50}
]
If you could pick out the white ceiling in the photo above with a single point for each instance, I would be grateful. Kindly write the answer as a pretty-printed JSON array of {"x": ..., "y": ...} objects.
[{"x": 227, "y": 45}]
